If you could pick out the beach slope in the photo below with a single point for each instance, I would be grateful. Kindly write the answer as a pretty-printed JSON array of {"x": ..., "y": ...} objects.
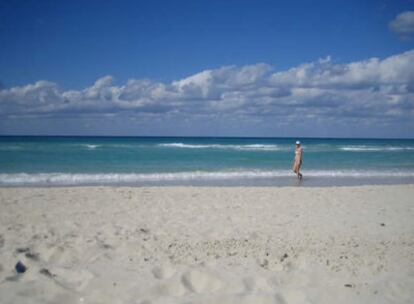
[{"x": 207, "y": 245}]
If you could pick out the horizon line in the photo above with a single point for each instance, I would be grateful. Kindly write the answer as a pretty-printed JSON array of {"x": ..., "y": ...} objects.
[{"x": 205, "y": 136}]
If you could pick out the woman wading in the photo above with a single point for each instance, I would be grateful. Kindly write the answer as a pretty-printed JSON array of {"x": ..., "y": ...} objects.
[{"x": 297, "y": 163}]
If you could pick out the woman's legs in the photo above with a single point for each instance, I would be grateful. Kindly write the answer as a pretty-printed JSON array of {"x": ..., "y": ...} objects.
[
  {"x": 296, "y": 167},
  {"x": 298, "y": 171}
]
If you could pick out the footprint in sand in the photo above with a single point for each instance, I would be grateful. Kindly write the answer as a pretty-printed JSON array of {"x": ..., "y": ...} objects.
[
  {"x": 163, "y": 272},
  {"x": 71, "y": 279},
  {"x": 258, "y": 284},
  {"x": 66, "y": 257},
  {"x": 201, "y": 282},
  {"x": 172, "y": 288}
]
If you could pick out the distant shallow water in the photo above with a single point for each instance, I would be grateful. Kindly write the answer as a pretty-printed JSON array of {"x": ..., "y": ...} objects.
[{"x": 158, "y": 161}]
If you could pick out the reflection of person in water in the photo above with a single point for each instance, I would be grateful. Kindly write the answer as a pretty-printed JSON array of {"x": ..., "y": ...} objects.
[{"x": 297, "y": 163}]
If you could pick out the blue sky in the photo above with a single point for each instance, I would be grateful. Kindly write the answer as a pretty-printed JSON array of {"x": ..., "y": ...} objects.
[{"x": 207, "y": 68}]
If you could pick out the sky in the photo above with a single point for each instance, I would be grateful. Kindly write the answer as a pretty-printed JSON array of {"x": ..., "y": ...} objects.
[{"x": 207, "y": 68}]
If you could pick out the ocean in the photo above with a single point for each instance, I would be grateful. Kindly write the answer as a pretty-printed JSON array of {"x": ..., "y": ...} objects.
[{"x": 202, "y": 161}]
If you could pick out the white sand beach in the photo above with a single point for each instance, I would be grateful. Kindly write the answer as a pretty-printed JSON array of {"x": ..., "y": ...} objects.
[{"x": 207, "y": 245}]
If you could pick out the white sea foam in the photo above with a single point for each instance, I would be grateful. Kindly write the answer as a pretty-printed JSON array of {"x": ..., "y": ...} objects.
[
  {"x": 253, "y": 147},
  {"x": 364, "y": 148},
  {"x": 272, "y": 147},
  {"x": 56, "y": 179},
  {"x": 91, "y": 147},
  {"x": 10, "y": 147}
]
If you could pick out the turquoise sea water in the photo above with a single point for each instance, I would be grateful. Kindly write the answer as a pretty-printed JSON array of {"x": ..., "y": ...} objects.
[{"x": 54, "y": 161}]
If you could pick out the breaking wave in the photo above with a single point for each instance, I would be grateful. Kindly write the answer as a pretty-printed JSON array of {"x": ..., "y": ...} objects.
[
  {"x": 253, "y": 147},
  {"x": 91, "y": 147},
  {"x": 72, "y": 179},
  {"x": 273, "y": 147},
  {"x": 363, "y": 148}
]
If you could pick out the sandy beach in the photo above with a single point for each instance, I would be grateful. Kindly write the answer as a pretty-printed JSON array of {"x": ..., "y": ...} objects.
[{"x": 207, "y": 245}]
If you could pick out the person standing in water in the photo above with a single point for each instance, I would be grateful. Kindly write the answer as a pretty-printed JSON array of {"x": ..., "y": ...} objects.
[{"x": 297, "y": 163}]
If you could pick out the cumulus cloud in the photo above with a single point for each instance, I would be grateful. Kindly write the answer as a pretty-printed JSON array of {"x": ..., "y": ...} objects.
[
  {"x": 403, "y": 24},
  {"x": 372, "y": 90}
]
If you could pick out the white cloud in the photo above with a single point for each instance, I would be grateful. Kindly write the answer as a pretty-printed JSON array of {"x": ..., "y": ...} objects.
[
  {"x": 367, "y": 90},
  {"x": 210, "y": 84},
  {"x": 393, "y": 70},
  {"x": 403, "y": 24}
]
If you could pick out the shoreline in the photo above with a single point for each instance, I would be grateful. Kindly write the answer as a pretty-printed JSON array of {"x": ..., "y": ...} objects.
[
  {"x": 208, "y": 244},
  {"x": 203, "y": 179},
  {"x": 143, "y": 187},
  {"x": 293, "y": 184}
]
